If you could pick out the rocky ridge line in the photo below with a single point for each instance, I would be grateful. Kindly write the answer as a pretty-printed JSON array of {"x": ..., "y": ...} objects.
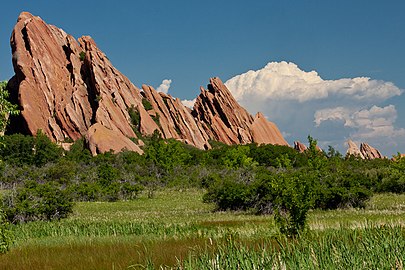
[{"x": 69, "y": 89}]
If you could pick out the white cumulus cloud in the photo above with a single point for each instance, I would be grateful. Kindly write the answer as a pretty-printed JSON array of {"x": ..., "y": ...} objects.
[
  {"x": 376, "y": 122},
  {"x": 188, "y": 103},
  {"x": 286, "y": 81},
  {"x": 164, "y": 86}
]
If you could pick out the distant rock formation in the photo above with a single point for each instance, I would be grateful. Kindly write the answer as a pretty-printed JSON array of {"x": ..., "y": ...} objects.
[
  {"x": 300, "y": 147},
  {"x": 226, "y": 121},
  {"x": 69, "y": 89},
  {"x": 365, "y": 152},
  {"x": 370, "y": 152},
  {"x": 353, "y": 150}
]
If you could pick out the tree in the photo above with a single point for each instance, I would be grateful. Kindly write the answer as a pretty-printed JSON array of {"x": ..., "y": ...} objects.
[{"x": 6, "y": 108}]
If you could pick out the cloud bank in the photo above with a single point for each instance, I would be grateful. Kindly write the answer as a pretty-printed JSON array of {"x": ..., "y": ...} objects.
[{"x": 332, "y": 111}]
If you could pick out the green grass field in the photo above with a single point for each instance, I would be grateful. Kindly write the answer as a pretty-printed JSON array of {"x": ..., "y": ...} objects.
[{"x": 175, "y": 229}]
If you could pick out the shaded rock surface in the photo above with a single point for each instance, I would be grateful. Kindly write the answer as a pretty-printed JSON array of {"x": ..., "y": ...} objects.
[{"x": 68, "y": 88}]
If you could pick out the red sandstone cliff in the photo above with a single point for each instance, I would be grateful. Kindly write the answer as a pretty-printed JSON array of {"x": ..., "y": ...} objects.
[{"x": 70, "y": 89}]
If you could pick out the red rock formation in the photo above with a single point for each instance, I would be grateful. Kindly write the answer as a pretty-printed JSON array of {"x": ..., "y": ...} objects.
[
  {"x": 369, "y": 152},
  {"x": 174, "y": 119},
  {"x": 64, "y": 87},
  {"x": 69, "y": 89},
  {"x": 101, "y": 139},
  {"x": 300, "y": 147},
  {"x": 365, "y": 152},
  {"x": 353, "y": 150},
  {"x": 226, "y": 121},
  {"x": 51, "y": 93},
  {"x": 265, "y": 132}
]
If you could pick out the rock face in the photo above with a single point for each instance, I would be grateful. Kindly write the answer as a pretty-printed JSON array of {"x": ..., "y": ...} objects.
[
  {"x": 300, "y": 147},
  {"x": 101, "y": 139},
  {"x": 226, "y": 121},
  {"x": 51, "y": 93},
  {"x": 365, "y": 152},
  {"x": 370, "y": 152},
  {"x": 68, "y": 88},
  {"x": 174, "y": 119},
  {"x": 353, "y": 150}
]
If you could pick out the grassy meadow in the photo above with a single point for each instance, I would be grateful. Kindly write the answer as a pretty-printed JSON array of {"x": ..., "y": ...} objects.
[{"x": 175, "y": 229}]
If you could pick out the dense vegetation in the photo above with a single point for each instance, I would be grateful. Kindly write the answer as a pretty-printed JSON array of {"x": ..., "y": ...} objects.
[{"x": 261, "y": 179}]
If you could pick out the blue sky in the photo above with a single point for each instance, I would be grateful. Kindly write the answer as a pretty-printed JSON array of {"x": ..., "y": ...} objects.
[{"x": 190, "y": 41}]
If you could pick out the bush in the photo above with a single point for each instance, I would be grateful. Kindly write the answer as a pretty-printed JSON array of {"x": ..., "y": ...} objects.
[
  {"x": 228, "y": 194},
  {"x": 45, "y": 150},
  {"x": 6, "y": 236},
  {"x": 146, "y": 104},
  {"x": 37, "y": 202}
]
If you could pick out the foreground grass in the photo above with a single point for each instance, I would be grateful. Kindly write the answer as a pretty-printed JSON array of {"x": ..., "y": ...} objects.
[{"x": 175, "y": 229}]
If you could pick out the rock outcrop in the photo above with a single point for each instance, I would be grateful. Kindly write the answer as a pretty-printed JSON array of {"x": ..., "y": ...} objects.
[
  {"x": 69, "y": 89},
  {"x": 226, "y": 121},
  {"x": 353, "y": 150},
  {"x": 364, "y": 152},
  {"x": 50, "y": 90},
  {"x": 300, "y": 147},
  {"x": 101, "y": 139},
  {"x": 369, "y": 152},
  {"x": 174, "y": 119}
]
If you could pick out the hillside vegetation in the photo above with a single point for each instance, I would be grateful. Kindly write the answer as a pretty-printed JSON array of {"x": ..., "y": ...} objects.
[{"x": 251, "y": 204}]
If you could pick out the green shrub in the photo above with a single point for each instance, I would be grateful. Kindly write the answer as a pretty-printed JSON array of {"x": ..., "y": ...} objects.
[
  {"x": 82, "y": 56},
  {"x": 228, "y": 194},
  {"x": 37, "y": 202},
  {"x": 18, "y": 149},
  {"x": 146, "y": 104},
  {"x": 6, "y": 236},
  {"x": 86, "y": 192},
  {"x": 130, "y": 191},
  {"x": 45, "y": 150},
  {"x": 294, "y": 197},
  {"x": 78, "y": 152}
]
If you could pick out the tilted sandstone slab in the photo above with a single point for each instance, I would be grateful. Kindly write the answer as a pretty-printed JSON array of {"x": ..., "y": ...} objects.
[
  {"x": 63, "y": 86},
  {"x": 364, "y": 152},
  {"x": 112, "y": 93},
  {"x": 226, "y": 121},
  {"x": 369, "y": 152},
  {"x": 101, "y": 139},
  {"x": 353, "y": 150},
  {"x": 300, "y": 147},
  {"x": 266, "y": 132},
  {"x": 51, "y": 93},
  {"x": 174, "y": 119}
]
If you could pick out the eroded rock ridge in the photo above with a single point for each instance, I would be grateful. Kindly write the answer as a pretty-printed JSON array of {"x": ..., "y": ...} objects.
[{"x": 69, "y": 89}]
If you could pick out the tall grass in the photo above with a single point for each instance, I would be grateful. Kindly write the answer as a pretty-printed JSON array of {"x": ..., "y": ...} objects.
[
  {"x": 176, "y": 230},
  {"x": 370, "y": 248}
]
